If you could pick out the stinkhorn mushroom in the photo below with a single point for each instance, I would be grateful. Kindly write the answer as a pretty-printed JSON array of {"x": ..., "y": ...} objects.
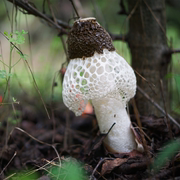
[{"x": 97, "y": 73}]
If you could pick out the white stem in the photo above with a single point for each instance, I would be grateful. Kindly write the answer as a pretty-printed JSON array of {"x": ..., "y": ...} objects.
[{"x": 109, "y": 111}]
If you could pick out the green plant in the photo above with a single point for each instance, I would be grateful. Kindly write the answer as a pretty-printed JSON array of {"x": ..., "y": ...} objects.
[
  {"x": 15, "y": 38},
  {"x": 166, "y": 155},
  {"x": 70, "y": 170}
]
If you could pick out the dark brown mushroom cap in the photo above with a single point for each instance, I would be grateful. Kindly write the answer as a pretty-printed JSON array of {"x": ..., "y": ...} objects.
[{"x": 86, "y": 37}]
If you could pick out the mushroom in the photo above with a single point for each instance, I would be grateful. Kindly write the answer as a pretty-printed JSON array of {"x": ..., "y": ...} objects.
[{"x": 98, "y": 73}]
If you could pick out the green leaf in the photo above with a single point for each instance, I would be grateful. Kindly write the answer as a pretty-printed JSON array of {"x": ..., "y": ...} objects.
[
  {"x": 24, "y": 32},
  {"x": 4, "y": 74},
  {"x": 23, "y": 56},
  {"x": 169, "y": 76},
  {"x": 14, "y": 100},
  {"x": 5, "y": 33},
  {"x": 177, "y": 80},
  {"x": 16, "y": 37},
  {"x": 167, "y": 153},
  {"x": 70, "y": 171}
]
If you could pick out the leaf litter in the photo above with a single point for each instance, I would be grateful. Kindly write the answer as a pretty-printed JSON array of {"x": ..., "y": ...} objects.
[{"x": 38, "y": 149}]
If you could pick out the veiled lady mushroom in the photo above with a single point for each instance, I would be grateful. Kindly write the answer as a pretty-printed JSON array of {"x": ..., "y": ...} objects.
[{"x": 97, "y": 73}]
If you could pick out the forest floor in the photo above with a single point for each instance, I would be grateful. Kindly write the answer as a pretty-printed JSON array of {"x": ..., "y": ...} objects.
[{"x": 70, "y": 148}]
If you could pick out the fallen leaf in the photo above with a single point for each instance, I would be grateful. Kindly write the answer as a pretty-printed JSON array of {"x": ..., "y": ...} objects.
[{"x": 110, "y": 165}]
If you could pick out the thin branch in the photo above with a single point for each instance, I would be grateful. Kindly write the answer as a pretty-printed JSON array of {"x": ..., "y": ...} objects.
[
  {"x": 162, "y": 28},
  {"x": 136, "y": 112},
  {"x": 119, "y": 37},
  {"x": 122, "y": 8},
  {"x": 34, "y": 80},
  {"x": 167, "y": 119},
  {"x": 98, "y": 164},
  {"x": 74, "y": 8},
  {"x": 31, "y": 9},
  {"x": 157, "y": 106},
  {"x": 173, "y": 51},
  {"x": 39, "y": 141},
  {"x": 15, "y": 153},
  {"x": 150, "y": 84}
]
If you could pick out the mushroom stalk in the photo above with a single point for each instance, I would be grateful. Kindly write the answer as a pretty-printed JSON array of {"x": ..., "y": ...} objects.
[{"x": 109, "y": 111}]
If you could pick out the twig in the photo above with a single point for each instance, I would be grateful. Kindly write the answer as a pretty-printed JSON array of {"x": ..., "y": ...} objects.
[
  {"x": 7, "y": 12},
  {"x": 10, "y": 176},
  {"x": 74, "y": 8},
  {"x": 151, "y": 85},
  {"x": 173, "y": 51},
  {"x": 51, "y": 107},
  {"x": 167, "y": 119},
  {"x": 39, "y": 141},
  {"x": 8, "y": 163},
  {"x": 36, "y": 86},
  {"x": 52, "y": 12},
  {"x": 156, "y": 19},
  {"x": 32, "y": 10},
  {"x": 136, "y": 112},
  {"x": 43, "y": 6},
  {"x": 157, "y": 106},
  {"x": 66, "y": 133},
  {"x": 110, "y": 128},
  {"x": 122, "y": 8},
  {"x": 53, "y": 84},
  {"x": 133, "y": 10},
  {"x": 119, "y": 37},
  {"x": 99, "y": 163}
]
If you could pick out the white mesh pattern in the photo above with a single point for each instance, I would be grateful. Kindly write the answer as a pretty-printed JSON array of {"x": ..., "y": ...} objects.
[{"x": 102, "y": 75}]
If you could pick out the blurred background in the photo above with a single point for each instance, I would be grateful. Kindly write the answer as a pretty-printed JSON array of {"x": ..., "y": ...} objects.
[{"x": 45, "y": 51}]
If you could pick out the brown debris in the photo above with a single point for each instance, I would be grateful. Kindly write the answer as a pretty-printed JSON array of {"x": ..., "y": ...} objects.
[
  {"x": 85, "y": 144},
  {"x": 110, "y": 165}
]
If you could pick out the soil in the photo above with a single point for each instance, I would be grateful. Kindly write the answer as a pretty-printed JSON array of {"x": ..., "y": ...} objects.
[{"x": 36, "y": 145}]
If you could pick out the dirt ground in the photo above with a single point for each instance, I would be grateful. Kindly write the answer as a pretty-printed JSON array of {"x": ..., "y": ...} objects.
[{"x": 34, "y": 146}]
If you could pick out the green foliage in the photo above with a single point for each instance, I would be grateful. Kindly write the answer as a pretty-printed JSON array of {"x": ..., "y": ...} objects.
[
  {"x": 175, "y": 91},
  {"x": 23, "y": 56},
  {"x": 4, "y": 74},
  {"x": 70, "y": 170},
  {"x": 167, "y": 153},
  {"x": 16, "y": 37},
  {"x": 25, "y": 176}
]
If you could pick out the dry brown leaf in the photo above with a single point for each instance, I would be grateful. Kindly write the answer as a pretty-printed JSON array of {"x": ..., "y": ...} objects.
[{"x": 109, "y": 165}]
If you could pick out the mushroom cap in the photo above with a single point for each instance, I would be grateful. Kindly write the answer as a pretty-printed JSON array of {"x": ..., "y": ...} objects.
[
  {"x": 86, "y": 37},
  {"x": 101, "y": 75}
]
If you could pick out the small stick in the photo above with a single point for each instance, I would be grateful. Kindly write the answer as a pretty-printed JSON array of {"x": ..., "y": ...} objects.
[
  {"x": 99, "y": 163},
  {"x": 39, "y": 141},
  {"x": 8, "y": 163},
  {"x": 157, "y": 106},
  {"x": 74, "y": 8},
  {"x": 136, "y": 112},
  {"x": 34, "y": 80},
  {"x": 167, "y": 119}
]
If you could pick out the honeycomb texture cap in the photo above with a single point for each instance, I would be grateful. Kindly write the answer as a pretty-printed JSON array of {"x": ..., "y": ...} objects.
[{"x": 98, "y": 76}]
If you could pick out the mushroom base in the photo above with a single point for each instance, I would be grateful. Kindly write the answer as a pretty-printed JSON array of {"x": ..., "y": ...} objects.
[{"x": 109, "y": 111}]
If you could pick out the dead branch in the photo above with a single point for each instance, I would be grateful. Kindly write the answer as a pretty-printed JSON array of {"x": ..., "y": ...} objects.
[
  {"x": 31, "y": 9},
  {"x": 165, "y": 109},
  {"x": 157, "y": 106},
  {"x": 173, "y": 51},
  {"x": 118, "y": 37},
  {"x": 74, "y": 7},
  {"x": 122, "y": 8}
]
